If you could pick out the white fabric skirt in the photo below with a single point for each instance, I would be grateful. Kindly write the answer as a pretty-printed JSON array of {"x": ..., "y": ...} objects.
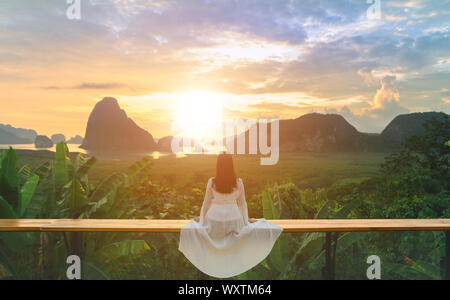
[{"x": 225, "y": 247}]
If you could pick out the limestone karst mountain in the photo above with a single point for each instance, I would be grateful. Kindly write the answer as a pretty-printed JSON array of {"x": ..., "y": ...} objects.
[
  {"x": 320, "y": 133},
  {"x": 405, "y": 126},
  {"x": 332, "y": 133},
  {"x": 109, "y": 129},
  {"x": 43, "y": 142},
  {"x": 165, "y": 144}
]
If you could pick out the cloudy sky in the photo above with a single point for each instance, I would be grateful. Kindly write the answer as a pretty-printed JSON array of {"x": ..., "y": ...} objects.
[{"x": 257, "y": 58}]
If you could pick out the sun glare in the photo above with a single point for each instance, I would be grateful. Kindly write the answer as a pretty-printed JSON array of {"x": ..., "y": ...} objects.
[{"x": 199, "y": 115}]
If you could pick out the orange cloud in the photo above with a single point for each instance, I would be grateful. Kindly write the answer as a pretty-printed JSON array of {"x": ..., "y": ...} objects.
[{"x": 386, "y": 94}]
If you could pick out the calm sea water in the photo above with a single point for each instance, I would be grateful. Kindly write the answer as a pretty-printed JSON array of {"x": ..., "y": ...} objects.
[
  {"x": 72, "y": 147},
  {"x": 75, "y": 148}
]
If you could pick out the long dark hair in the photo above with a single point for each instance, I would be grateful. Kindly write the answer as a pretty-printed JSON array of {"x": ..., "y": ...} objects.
[{"x": 225, "y": 180}]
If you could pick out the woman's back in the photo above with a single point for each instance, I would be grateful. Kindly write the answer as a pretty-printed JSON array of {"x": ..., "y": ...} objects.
[
  {"x": 226, "y": 198},
  {"x": 222, "y": 243},
  {"x": 225, "y": 207}
]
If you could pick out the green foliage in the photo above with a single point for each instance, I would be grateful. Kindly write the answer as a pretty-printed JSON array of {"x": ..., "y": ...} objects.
[
  {"x": 17, "y": 187},
  {"x": 270, "y": 212},
  {"x": 301, "y": 256},
  {"x": 414, "y": 183},
  {"x": 415, "y": 269},
  {"x": 62, "y": 189},
  {"x": 309, "y": 250},
  {"x": 424, "y": 153},
  {"x": 277, "y": 259},
  {"x": 6, "y": 210}
]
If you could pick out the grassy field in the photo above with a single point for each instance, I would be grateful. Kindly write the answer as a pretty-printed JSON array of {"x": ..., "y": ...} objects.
[{"x": 304, "y": 169}]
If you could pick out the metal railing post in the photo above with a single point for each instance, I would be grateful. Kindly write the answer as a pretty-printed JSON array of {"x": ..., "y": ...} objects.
[
  {"x": 328, "y": 261},
  {"x": 447, "y": 255}
]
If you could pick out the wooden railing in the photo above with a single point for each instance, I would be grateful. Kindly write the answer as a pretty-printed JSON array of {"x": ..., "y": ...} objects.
[
  {"x": 118, "y": 225},
  {"x": 328, "y": 226}
]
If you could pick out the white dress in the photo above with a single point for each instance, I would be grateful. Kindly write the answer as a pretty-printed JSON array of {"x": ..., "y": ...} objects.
[{"x": 224, "y": 244}]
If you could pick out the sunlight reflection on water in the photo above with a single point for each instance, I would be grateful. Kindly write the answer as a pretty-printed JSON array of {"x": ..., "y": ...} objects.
[{"x": 75, "y": 148}]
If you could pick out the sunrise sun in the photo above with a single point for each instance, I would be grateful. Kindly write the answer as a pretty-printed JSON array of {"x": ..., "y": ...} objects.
[{"x": 198, "y": 115}]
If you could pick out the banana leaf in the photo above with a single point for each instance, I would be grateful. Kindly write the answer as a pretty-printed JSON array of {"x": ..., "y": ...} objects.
[
  {"x": 62, "y": 166},
  {"x": 26, "y": 193},
  {"x": 344, "y": 242},
  {"x": 6, "y": 210},
  {"x": 84, "y": 165},
  {"x": 106, "y": 195},
  {"x": 276, "y": 257},
  {"x": 128, "y": 248},
  {"x": 92, "y": 271},
  {"x": 75, "y": 196},
  {"x": 8, "y": 172},
  {"x": 44, "y": 170},
  {"x": 24, "y": 173},
  {"x": 323, "y": 211},
  {"x": 429, "y": 270},
  {"x": 346, "y": 210},
  {"x": 15, "y": 241},
  {"x": 269, "y": 210}
]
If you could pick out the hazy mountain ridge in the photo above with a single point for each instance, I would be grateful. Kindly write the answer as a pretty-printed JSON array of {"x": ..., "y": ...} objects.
[
  {"x": 110, "y": 129},
  {"x": 11, "y": 139},
  {"x": 405, "y": 126},
  {"x": 333, "y": 133},
  {"x": 319, "y": 133},
  {"x": 12, "y": 135}
]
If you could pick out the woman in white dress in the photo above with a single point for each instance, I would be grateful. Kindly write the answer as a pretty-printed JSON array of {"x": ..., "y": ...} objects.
[{"x": 223, "y": 242}]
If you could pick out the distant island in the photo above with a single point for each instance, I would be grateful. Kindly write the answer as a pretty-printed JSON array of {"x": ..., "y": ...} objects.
[
  {"x": 10, "y": 135},
  {"x": 43, "y": 142},
  {"x": 78, "y": 140}
]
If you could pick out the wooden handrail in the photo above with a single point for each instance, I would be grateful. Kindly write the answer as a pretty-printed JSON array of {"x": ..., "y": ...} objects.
[
  {"x": 328, "y": 226},
  {"x": 120, "y": 225}
]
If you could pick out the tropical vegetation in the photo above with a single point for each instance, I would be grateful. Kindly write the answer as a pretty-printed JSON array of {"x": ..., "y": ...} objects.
[{"x": 412, "y": 183}]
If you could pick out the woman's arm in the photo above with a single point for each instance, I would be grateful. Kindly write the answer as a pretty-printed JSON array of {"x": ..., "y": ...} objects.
[
  {"x": 242, "y": 203},
  {"x": 206, "y": 203}
]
